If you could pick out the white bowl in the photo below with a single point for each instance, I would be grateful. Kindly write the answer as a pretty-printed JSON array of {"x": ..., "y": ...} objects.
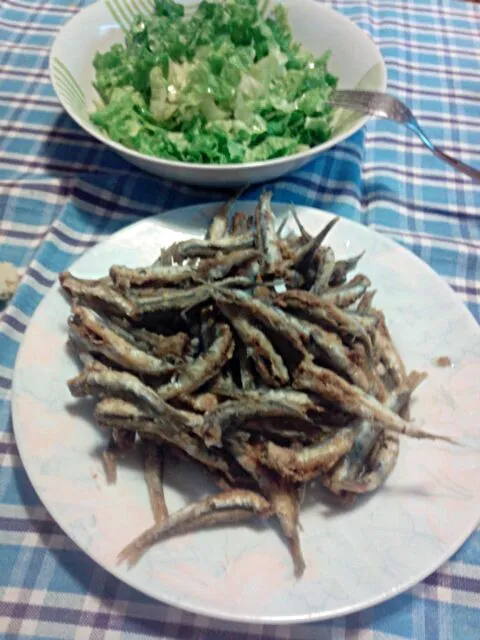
[{"x": 355, "y": 60}]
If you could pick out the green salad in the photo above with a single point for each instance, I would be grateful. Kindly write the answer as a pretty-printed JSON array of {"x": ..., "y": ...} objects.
[{"x": 226, "y": 84}]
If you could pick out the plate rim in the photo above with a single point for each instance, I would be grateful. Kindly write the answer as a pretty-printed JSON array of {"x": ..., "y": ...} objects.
[{"x": 209, "y": 610}]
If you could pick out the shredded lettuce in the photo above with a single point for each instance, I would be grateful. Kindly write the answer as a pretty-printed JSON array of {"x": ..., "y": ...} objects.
[{"x": 227, "y": 85}]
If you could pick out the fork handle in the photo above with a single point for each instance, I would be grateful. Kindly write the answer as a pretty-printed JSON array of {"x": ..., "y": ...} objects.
[{"x": 474, "y": 174}]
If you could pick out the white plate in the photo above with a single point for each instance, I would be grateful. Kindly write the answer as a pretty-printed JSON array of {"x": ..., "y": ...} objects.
[
  {"x": 355, "y": 558},
  {"x": 355, "y": 60}
]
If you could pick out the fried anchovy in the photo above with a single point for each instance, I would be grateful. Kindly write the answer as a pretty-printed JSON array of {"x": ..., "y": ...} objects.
[
  {"x": 239, "y": 223},
  {"x": 308, "y": 462},
  {"x": 347, "y": 294},
  {"x": 376, "y": 386},
  {"x": 281, "y": 228},
  {"x": 365, "y": 435},
  {"x": 331, "y": 346},
  {"x": 160, "y": 345},
  {"x": 365, "y": 302},
  {"x": 325, "y": 268},
  {"x": 250, "y": 269},
  {"x": 124, "y": 439},
  {"x": 368, "y": 436},
  {"x": 172, "y": 299},
  {"x": 399, "y": 398},
  {"x": 380, "y": 466},
  {"x": 113, "y": 412},
  {"x": 266, "y": 236},
  {"x": 308, "y": 249},
  {"x": 120, "y": 440},
  {"x": 120, "y": 384},
  {"x": 207, "y": 326},
  {"x": 209, "y": 248},
  {"x": 231, "y": 414},
  {"x": 219, "y": 224},
  {"x": 267, "y": 361},
  {"x": 206, "y": 366},
  {"x": 388, "y": 353},
  {"x": 154, "y": 461},
  {"x": 292, "y": 243},
  {"x": 98, "y": 294},
  {"x": 236, "y": 499},
  {"x": 201, "y": 403},
  {"x": 267, "y": 314},
  {"x": 282, "y": 497},
  {"x": 342, "y": 269},
  {"x": 247, "y": 376},
  {"x": 283, "y": 429},
  {"x": 219, "y": 518},
  {"x": 219, "y": 267},
  {"x": 326, "y": 314},
  {"x": 223, "y": 386},
  {"x": 110, "y": 461},
  {"x": 96, "y": 334},
  {"x": 156, "y": 275},
  {"x": 332, "y": 388},
  {"x": 297, "y": 333},
  {"x": 168, "y": 300},
  {"x": 369, "y": 323},
  {"x": 296, "y": 399},
  {"x": 75, "y": 347},
  {"x": 123, "y": 328},
  {"x": 303, "y": 232}
]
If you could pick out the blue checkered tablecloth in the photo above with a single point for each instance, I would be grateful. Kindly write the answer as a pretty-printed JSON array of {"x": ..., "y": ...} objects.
[{"x": 61, "y": 192}]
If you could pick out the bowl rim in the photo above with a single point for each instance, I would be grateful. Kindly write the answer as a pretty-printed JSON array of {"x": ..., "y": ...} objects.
[{"x": 211, "y": 167}]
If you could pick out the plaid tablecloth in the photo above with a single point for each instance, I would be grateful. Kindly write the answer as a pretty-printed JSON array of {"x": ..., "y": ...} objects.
[{"x": 61, "y": 192}]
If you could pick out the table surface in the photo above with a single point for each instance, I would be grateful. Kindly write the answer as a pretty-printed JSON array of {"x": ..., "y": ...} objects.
[{"x": 61, "y": 192}]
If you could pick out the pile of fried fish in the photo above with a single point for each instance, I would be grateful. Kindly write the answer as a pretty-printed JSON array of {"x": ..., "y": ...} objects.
[{"x": 253, "y": 353}]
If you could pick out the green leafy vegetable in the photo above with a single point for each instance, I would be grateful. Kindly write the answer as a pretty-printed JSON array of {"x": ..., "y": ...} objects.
[{"x": 227, "y": 85}]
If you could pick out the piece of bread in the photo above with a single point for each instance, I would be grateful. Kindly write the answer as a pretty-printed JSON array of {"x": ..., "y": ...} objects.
[{"x": 8, "y": 280}]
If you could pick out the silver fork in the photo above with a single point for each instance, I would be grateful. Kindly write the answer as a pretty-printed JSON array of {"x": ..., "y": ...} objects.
[{"x": 383, "y": 105}]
